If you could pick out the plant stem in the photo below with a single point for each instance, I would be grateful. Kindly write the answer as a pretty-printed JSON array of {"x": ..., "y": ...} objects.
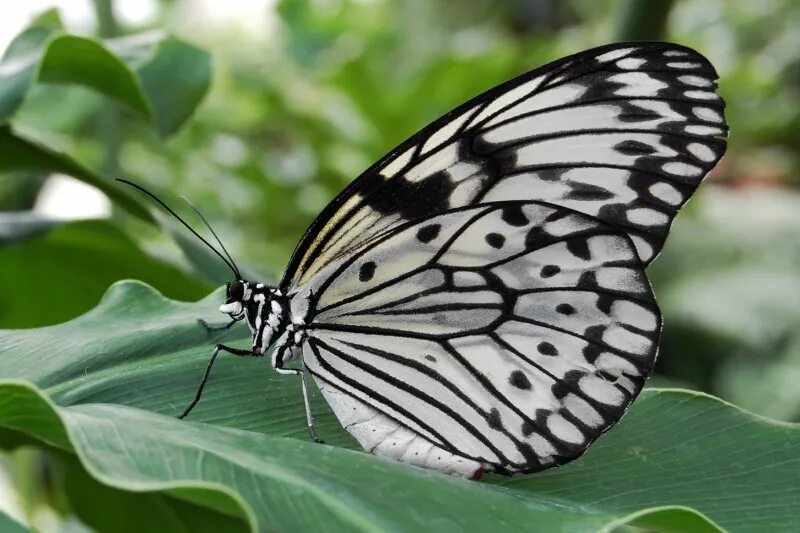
[
  {"x": 643, "y": 20},
  {"x": 110, "y": 117}
]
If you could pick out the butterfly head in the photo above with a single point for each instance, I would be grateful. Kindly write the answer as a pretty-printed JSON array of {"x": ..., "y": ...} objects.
[{"x": 237, "y": 295}]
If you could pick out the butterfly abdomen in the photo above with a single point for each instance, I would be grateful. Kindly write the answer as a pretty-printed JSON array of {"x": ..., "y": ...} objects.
[{"x": 380, "y": 435}]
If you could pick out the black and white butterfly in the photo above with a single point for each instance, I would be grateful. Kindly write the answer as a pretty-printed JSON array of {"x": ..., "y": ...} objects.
[{"x": 476, "y": 300}]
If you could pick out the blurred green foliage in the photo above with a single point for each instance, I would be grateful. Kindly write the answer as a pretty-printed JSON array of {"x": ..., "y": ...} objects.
[{"x": 261, "y": 127}]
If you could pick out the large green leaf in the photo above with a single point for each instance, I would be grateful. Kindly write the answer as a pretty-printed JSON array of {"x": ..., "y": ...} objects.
[
  {"x": 674, "y": 460},
  {"x": 158, "y": 76},
  {"x": 18, "y": 68},
  {"x": 276, "y": 483},
  {"x": 62, "y": 273},
  {"x": 105, "y": 508}
]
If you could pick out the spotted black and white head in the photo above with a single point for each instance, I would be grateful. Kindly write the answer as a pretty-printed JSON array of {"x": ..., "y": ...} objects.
[{"x": 237, "y": 295}]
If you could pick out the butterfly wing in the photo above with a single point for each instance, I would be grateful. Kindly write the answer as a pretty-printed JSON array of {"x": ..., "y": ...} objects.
[
  {"x": 624, "y": 133},
  {"x": 509, "y": 334}
]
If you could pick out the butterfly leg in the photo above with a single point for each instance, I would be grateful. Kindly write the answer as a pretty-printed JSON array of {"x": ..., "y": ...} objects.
[
  {"x": 277, "y": 365},
  {"x": 219, "y": 327},
  {"x": 309, "y": 417},
  {"x": 218, "y": 348}
]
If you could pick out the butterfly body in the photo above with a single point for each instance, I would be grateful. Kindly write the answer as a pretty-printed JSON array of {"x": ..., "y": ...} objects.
[{"x": 476, "y": 300}]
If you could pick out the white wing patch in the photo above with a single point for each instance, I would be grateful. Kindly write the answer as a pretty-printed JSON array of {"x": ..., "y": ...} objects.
[
  {"x": 605, "y": 133},
  {"x": 507, "y": 335},
  {"x": 386, "y": 437}
]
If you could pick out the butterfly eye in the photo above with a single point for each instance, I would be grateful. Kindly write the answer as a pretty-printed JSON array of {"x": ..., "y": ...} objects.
[{"x": 235, "y": 291}]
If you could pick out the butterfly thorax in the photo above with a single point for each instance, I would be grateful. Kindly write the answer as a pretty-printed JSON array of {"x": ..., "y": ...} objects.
[{"x": 267, "y": 314}]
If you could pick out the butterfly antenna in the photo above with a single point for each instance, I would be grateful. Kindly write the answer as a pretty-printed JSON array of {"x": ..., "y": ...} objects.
[
  {"x": 214, "y": 233},
  {"x": 174, "y": 214}
]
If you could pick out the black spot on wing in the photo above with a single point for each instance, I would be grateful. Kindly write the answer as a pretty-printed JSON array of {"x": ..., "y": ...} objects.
[
  {"x": 514, "y": 216},
  {"x": 545, "y": 348},
  {"x": 427, "y": 233},
  {"x": 366, "y": 271},
  {"x": 550, "y": 174},
  {"x": 579, "y": 248},
  {"x": 518, "y": 379},
  {"x": 587, "y": 192},
  {"x": 495, "y": 240},
  {"x": 533, "y": 237},
  {"x": 631, "y": 113},
  {"x": 409, "y": 199},
  {"x": 493, "y": 420},
  {"x": 595, "y": 333},
  {"x": 565, "y": 309},
  {"x": 587, "y": 281},
  {"x": 636, "y": 148},
  {"x": 548, "y": 271}
]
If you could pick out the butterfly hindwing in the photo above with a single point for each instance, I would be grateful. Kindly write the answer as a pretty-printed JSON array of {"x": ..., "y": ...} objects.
[
  {"x": 624, "y": 133},
  {"x": 511, "y": 333}
]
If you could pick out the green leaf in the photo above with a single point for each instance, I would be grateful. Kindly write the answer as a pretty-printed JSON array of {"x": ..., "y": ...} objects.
[
  {"x": 21, "y": 225},
  {"x": 18, "y": 153},
  {"x": 50, "y": 18},
  {"x": 189, "y": 70},
  {"x": 18, "y": 68},
  {"x": 70, "y": 59},
  {"x": 64, "y": 272},
  {"x": 91, "y": 501},
  {"x": 280, "y": 483},
  {"x": 160, "y": 77},
  {"x": 687, "y": 449},
  {"x": 9, "y": 525},
  {"x": 678, "y": 461},
  {"x": 19, "y": 190}
]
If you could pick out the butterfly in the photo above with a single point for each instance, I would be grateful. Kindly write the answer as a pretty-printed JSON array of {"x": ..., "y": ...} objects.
[{"x": 476, "y": 301}]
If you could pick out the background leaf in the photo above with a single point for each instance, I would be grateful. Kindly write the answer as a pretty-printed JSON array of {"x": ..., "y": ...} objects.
[
  {"x": 18, "y": 68},
  {"x": 188, "y": 68},
  {"x": 59, "y": 256},
  {"x": 139, "y": 349},
  {"x": 83, "y": 61},
  {"x": 18, "y": 153},
  {"x": 159, "y": 76}
]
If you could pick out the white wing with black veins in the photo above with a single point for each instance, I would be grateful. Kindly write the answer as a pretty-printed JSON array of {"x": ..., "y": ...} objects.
[
  {"x": 508, "y": 334},
  {"x": 624, "y": 133}
]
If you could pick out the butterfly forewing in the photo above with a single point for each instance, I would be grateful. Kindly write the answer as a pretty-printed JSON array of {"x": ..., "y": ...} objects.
[
  {"x": 511, "y": 333},
  {"x": 623, "y": 133}
]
